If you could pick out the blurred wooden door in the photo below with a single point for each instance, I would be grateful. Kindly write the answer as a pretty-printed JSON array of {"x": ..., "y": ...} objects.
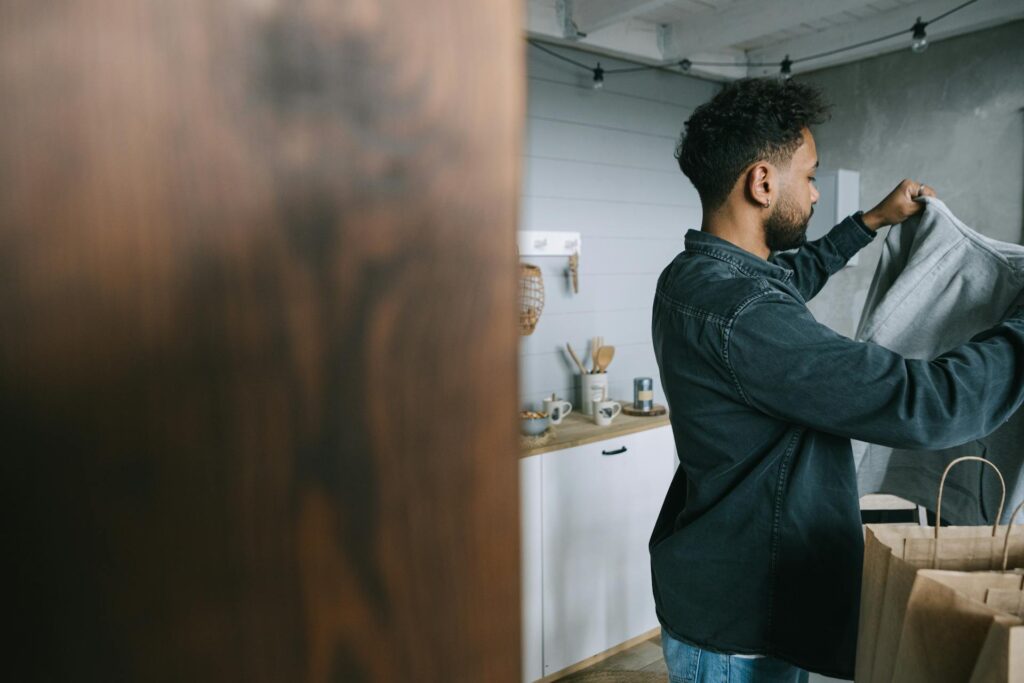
[{"x": 257, "y": 339}]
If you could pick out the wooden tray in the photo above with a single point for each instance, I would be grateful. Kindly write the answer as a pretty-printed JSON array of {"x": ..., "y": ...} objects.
[{"x": 657, "y": 410}]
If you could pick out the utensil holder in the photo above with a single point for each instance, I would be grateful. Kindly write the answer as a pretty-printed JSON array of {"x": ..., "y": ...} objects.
[{"x": 593, "y": 387}]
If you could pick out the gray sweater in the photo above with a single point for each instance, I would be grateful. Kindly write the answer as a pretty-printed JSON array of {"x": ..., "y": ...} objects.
[{"x": 937, "y": 284}]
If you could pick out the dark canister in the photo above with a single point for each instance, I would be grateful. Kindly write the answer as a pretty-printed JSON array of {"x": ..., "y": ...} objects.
[{"x": 643, "y": 393}]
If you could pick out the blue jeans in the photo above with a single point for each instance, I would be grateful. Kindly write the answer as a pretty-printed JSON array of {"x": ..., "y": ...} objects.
[{"x": 689, "y": 664}]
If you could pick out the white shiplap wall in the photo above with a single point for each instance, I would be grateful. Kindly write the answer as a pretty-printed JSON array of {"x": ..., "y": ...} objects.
[{"x": 600, "y": 162}]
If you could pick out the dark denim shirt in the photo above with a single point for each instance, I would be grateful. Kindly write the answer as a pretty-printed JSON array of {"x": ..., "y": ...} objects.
[{"x": 759, "y": 548}]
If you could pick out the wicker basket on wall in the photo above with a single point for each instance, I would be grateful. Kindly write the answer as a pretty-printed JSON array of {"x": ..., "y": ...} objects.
[{"x": 531, "y": 297}]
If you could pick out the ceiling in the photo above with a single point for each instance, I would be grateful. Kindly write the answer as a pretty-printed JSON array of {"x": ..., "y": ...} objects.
[{"x": 741, "y": 31}]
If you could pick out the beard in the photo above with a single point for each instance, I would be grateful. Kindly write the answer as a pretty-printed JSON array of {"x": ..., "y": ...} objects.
[{"x": 785, "y": 228}]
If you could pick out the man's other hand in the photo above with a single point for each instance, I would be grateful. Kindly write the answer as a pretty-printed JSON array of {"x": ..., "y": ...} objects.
[{"x": 899, "y": 205}]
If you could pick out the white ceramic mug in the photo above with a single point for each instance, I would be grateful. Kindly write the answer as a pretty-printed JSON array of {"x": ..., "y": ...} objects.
[
  {"x": 556, "y": 409},
  {"x": 605, "y": 412}
]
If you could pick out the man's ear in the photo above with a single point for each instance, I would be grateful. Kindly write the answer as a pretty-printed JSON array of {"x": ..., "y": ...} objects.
[{"x": 761, "y": 183}]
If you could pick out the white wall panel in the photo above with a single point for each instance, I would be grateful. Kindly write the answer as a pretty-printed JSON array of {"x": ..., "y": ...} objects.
[
  {"x": 604, "y": 109},
  {"x": 627, "y": 326},
  {"x": 606, "y": 182},
  {"x": 550, "y": 139},
  {"x": 601, "y": 163},
  {"x": 598, "y": 291},
  {"x": 608, "y": 219},
  {"x": 628, "y": 254}
]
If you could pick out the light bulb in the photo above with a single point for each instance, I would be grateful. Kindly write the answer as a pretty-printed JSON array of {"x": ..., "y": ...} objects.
[
  {"x": 920, "y": 43},
  {"x": 598, "y": 77},
  {"x": 786, "y": 72}
]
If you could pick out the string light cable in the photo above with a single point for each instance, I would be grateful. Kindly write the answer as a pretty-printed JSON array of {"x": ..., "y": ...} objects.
[{"x": 918, "y": 36}]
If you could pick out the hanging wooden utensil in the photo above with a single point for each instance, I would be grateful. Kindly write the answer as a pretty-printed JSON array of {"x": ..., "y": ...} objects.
[{"x": 574, "y": 272}]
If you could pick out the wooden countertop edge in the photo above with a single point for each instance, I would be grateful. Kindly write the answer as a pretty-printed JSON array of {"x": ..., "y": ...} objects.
[{"x": 630, "y": 425}]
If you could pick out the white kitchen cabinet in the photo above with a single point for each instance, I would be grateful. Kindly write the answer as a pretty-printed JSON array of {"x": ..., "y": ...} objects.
[
  {"x": 599, "y": 505},
  {"x": 530, "y": 552}
]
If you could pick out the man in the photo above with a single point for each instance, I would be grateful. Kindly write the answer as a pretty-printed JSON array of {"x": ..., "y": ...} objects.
[{"x": 756, "y": 555}]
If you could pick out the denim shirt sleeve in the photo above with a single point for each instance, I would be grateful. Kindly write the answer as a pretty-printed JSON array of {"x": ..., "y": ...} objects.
[
  {"x": 814, "y": 262},
  {"x": 786, "y": 364}
]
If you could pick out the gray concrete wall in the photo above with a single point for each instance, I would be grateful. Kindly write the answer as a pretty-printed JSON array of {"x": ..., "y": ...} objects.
[{"x": 952, "y": 117}]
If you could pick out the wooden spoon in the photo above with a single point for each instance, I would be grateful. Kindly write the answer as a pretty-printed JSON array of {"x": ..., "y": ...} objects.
[
  {"x": 604, "y": 357},
  {"x": 576, "y": 358}
]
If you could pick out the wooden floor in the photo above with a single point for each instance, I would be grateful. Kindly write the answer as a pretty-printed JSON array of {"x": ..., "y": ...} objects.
[{"x": 642, "y": 662}]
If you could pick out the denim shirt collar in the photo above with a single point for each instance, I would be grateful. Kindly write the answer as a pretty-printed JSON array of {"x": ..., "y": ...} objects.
[{"x": 741, "y": 259}]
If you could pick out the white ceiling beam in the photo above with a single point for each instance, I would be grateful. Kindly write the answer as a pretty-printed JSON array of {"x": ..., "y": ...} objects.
[
  {"x": 630, "y": 40},
  {"x": 633, "y": 40},
  {"x": 593, "y": 15},
  {"x": 975, "y": 17},
  {"x": 542, "y": 20},
  {"x": 742, "y": 21}
]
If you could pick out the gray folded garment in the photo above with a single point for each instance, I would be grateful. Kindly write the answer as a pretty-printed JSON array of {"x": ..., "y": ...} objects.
[{"x": 937, "y": 284}]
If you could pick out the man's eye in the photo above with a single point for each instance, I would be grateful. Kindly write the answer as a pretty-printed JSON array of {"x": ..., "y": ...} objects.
[{"x": 813, "y": 179}]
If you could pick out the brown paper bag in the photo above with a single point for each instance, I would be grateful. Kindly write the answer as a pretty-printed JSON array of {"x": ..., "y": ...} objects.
[
  {"x": 1006, "y": 600},
  {"x": 1001, "y": 659},
  {"x": 948, "y": 618},
  {"x": 893, "y": 554}
]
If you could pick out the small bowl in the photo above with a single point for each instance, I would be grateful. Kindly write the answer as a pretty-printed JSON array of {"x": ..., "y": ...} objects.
[{"x": 533, "y": 426}]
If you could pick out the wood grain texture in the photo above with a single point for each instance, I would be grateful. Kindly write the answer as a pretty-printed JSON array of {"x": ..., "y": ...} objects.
[
  {"x": 597, "y": 662},
  {"x": 257, "y": 267},
  {"x": 655, "y": 411}
]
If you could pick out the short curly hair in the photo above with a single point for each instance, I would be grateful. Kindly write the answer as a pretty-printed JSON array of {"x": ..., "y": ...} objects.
[{"x": 748, "y": 120}]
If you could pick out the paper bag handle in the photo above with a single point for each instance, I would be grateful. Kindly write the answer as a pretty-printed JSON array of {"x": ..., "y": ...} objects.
[
  {"x": 1009, "y": 528},
  {"x": 942, "y": 483}
]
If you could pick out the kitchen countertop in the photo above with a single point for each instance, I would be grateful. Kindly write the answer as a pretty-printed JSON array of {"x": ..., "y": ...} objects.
[{"x": 578, "y": 429}]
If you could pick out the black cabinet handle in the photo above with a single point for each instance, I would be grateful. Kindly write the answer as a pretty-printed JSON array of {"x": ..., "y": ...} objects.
[{"x": 615, "y": 452}]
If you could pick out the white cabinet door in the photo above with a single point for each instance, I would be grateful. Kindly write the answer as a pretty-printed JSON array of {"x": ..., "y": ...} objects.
[
  {"x": 600, "y": 502},
  {"x": 530, "y": 567}
]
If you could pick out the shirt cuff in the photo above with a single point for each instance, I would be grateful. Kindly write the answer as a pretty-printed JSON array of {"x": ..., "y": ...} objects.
[
  {"x": 859, "y": 218},
  {"x": 851, "y": 235}
]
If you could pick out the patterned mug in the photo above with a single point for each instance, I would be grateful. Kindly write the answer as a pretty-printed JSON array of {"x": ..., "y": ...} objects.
[
  {"x": 556, "y": 409},
  {"x": 605, "y": 412}
]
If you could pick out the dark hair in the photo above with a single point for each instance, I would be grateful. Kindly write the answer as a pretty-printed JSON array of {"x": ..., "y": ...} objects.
[{"x": 748, "y": 120}]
